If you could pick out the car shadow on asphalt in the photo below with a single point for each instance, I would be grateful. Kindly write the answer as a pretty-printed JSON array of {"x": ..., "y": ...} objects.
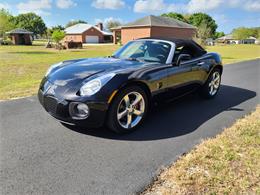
[{"x": 178, "y": 117}]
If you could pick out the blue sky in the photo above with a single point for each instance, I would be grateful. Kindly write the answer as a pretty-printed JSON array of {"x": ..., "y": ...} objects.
[{"x": 227, "y": 13}]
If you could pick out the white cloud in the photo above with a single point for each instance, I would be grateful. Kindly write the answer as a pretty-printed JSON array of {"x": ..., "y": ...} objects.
[
  {"x": 113, "y": 19},
  {"x": 150, "y": 6},
  {"x": 203, "y": 5},
  {"x": 4, "y": 6},
  {"x": 39, "y": 7},
  {"x": 176, "y": 7},
  {"x": 248, "y": 5},
  {"x": 252, "y": 5},
  {"x": 108, "y": 4},
  {"x": 221, "y": 18},
  {"x": 142, "y": 6},
  {"x": 105, "y": 21},
  {"x": 234, "y": 3},
  {"x": 65, "y": 4}
]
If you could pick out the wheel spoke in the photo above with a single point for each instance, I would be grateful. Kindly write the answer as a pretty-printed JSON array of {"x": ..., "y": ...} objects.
[
  {"x": 127, "y": 101},
  {"x": 216, "y": 78},
  {"x": 122, "y": 114},
  {"x": 137, "y": 100},
  {"x": 137, "y": 112},
  {"x": 129, "y": 120},
  {"x": 214, "y": 84},
  {"x": 211, "y": 89}
]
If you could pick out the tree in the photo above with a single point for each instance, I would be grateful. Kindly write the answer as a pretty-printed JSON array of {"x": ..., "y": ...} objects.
[
  {"x": 219, "y": 34},
  {"x": 53, "y": 28},
  {"x": 243, "y": 33},
  {"x": 256, "y": 32},
  {"x": 203, "y": 20},
  {"x": 58, "y": 35},
  {"x": 112, "y": 24},
  {"x": 49, "y": 31},
  {"x": 203, "y": 32},
  {"x": 175, "y": 16},
  {"x": 58, "y": 27},
  {"x": 30, "y": 22},
  {"x": 6, "y": 22},
  {"x": 73, "y": 22}
]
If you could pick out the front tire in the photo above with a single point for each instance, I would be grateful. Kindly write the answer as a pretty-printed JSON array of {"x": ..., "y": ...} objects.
[
  {"x": 128, "y": 110},
  {"x": 211, "y": 87}
]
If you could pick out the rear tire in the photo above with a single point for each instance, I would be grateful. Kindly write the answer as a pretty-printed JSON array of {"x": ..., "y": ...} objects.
[
  {"x": 128, "y": 110},
  {"x": 211, "y": 87}
]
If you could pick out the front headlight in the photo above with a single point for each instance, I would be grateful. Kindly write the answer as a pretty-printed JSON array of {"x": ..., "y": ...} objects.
[
  {"x": 52, "y": 67},
  {"x": 93, "y": 86}
]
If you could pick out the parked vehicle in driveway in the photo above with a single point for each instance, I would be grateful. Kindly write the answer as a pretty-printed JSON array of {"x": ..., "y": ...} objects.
[{"x": 117, "y": 91}]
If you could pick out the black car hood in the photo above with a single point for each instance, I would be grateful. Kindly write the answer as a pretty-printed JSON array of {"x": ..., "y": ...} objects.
[{"x": 76, "y": 71}]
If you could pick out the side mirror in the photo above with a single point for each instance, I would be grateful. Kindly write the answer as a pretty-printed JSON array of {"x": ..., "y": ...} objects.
[{"x": 182, "y": 58}]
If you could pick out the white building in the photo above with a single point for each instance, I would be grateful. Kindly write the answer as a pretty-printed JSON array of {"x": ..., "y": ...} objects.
[{"x": 228, "y": 39}]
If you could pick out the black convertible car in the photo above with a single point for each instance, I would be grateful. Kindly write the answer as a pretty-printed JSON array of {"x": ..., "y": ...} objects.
[{"x": 117, "y": 91}]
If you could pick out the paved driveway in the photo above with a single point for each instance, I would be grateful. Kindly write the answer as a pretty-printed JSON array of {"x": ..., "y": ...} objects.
[{"x": 41, "y": 156}]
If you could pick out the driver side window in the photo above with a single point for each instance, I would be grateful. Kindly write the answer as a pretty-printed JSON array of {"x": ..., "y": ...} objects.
[
  {"x": 181, "y": 50},
  {"x": 160, "y": 51}
]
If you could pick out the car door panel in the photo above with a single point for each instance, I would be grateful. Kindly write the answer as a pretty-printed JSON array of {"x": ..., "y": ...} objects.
[
  {"x": 181, "y": 75},
  {"x": 200, "y": 69}
]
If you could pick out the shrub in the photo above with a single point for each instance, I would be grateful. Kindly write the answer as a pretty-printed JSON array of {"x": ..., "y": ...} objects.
[
  {"x": 6, "y": 42},
  {"x": 58, "y": 35}
]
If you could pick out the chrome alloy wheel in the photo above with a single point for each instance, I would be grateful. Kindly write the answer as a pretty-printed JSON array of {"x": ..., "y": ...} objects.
[
  {"x": 214, "y": 83},
  {"x": 130, "y": 110}
]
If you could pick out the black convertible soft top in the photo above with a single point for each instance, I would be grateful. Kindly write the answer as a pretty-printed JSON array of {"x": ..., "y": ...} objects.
[{"x": 194, "y": 47}]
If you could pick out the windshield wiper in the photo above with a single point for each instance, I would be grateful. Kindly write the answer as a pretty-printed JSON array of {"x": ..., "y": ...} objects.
[
  {"x": 113, "y": 56},
  {"x": 134, "y": 59}
]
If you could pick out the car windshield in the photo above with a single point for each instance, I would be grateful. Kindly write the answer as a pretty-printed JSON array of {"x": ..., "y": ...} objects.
[{"x": 143, "y": 50}]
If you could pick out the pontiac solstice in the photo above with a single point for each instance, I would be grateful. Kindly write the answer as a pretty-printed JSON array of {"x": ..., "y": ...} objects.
[{"x": 117, "y": 91}]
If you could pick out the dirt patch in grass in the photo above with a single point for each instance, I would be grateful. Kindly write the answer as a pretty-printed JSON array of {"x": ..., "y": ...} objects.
[{"x": 227, "y": 164}]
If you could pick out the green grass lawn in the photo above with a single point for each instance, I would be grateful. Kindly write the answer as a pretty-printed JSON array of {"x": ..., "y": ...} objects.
[
  {"x": 236, "y": 53},
  {"x": 22, "y": 67}
]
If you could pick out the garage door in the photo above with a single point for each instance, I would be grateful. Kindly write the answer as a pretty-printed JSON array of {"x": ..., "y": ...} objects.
[{"x": 92, "y": 39}]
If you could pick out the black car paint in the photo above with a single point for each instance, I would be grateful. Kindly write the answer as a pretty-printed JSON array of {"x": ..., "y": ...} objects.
[{"x": 64, "y": 82}]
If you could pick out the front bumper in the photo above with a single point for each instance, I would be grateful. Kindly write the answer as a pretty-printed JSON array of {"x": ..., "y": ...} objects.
[{"x": 59, "y": 109}]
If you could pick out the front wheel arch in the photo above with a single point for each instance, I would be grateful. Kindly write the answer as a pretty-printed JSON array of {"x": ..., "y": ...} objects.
[
  {"x": 141, "y": 84},
  {"x": 219, "y": 67}
]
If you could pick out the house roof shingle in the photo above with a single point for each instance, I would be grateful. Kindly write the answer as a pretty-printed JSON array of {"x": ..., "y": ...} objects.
[
  {"x": 80, "y": 28},
  {"x": 161, "y": 21},
  {"x": 229, "y": 36},
  {"x": 19, "y": 31}
]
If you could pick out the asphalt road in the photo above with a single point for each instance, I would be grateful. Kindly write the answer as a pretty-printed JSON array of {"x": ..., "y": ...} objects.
[{"x": 41, "y": 156}]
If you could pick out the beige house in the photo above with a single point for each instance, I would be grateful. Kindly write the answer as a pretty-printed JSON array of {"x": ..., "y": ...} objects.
[
  {"x": 86, "y": 33},
  {"x": 229, "y": 39},
  {"x": 153, "y": 26}
]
